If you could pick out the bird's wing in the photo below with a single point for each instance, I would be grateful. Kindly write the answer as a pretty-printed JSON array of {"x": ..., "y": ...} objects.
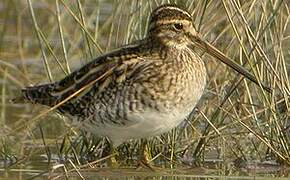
[{"x": 99, "y": 72}]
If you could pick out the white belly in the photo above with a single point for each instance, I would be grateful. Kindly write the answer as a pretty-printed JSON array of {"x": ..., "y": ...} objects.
[{"x": 146, "y": 124}]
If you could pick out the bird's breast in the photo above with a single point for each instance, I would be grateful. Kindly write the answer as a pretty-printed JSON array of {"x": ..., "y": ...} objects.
[{"x": 177, "y": 84}]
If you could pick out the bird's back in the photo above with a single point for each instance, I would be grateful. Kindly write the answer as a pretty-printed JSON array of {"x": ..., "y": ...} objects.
[
  {"x": 97, "y": 74},
  {"x": 99, "y": 78}
]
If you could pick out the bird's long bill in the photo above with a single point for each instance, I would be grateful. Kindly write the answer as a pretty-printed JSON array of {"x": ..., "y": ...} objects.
[{"x": 211, "y": 50}]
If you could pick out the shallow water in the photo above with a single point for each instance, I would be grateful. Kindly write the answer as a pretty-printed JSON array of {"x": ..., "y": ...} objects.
[
  {"x": 38, "y": 167},
  {"x": 128, "y": 173}
]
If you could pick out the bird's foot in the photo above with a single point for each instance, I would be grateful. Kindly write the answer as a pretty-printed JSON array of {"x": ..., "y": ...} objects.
[
  {"x": 144, "y": 164},
  {"x": 112, "y": 161}
]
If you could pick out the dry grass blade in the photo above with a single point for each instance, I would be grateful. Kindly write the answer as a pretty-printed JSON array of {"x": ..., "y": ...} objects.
[
  {"x": 60, "y": 29},
  {"x": 37, "y": 31},
  {"x": 268, "y": 144},
  {"x": 242, "y": 45},
  {"x": 82, "y": 26}
]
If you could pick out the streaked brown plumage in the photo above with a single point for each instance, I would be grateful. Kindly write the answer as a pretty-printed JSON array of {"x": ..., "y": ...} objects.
[{"x": 140, "y": 90}]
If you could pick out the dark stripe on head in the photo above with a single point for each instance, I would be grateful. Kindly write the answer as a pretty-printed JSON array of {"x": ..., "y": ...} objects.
[{"x": 169, "y": 12}]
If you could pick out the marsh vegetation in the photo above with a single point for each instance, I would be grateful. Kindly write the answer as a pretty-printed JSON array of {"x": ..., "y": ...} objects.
[{"x": 238, "y": 129}]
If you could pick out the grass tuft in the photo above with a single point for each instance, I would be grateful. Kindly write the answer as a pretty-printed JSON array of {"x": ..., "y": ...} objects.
[{"x": 236, "y": 123}]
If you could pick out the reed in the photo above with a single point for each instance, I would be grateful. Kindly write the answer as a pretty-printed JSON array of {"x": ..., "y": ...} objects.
[{"x": 235, "y": 120}]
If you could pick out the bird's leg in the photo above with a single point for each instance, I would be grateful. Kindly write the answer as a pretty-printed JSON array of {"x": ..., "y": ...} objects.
[
  {"x": 144, "y": 155},
  {"x": 112, "y": 152}
]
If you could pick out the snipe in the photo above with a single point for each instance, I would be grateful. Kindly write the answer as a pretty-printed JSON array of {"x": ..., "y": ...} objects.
[{"x": 142, "y": 89}]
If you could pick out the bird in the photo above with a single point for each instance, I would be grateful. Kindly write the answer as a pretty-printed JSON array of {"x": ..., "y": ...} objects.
[{"x": 142, "y": 89}]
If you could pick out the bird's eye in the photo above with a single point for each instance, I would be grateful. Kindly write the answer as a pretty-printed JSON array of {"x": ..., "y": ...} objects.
[{"x": 178, "y": 26}]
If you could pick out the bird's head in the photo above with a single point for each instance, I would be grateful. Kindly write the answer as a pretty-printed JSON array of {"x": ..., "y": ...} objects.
[{"x": 172, "y": 26}]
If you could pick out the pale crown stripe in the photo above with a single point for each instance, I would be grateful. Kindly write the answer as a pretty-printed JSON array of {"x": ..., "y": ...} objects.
[{"x": 173, "y": 8}]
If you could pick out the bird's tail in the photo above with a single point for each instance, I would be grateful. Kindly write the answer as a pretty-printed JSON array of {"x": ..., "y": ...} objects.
[{"x": 36, "y": 94}]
